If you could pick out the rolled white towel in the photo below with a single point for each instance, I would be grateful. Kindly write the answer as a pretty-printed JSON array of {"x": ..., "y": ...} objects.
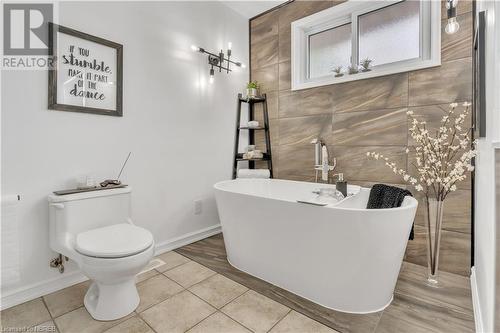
[
  {"x": 253, "y": 124},
  {"x": 254, "y": 154},
  {"x": 254, "y": 173}
]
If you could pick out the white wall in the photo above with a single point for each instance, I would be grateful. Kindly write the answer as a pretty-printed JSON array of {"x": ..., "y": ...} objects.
[
  {"x": 179, "y": 128},
  {"x": 484, "y": 261}
]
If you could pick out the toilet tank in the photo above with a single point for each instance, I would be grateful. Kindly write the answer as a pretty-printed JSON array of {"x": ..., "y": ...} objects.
[{"x": 74, "y": 213}]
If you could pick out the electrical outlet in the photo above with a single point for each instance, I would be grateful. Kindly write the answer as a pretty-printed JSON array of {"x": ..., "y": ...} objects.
[{"x": 198, "y": 207}]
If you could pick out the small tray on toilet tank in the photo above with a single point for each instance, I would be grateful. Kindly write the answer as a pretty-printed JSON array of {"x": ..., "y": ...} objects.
[{"x": 90, "y": 189}]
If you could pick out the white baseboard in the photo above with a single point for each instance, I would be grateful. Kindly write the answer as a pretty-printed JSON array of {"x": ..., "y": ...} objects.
[
  {"x": 475, "y": 302},
  {"x": 35, "y": 290},
  {"x": 186, "y": 239}
]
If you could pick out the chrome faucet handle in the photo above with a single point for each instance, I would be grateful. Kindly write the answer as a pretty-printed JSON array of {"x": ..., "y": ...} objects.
[{"x": 334, "y": 163}]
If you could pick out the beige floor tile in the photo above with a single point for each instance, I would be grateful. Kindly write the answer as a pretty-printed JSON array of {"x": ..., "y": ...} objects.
[
  {"x": 25, "y": 315},
  {"x": 81, "y": 321},
  {"x": 172, "y": 259},
  {"x": 219, "y": 323},
  {"x": 67, "y": 299},
  {"x": 189, "y": 274},
  {"x": 296, "y": 322},
  {"x": 255, "y": 311},
  {"x": 218, "y": 290},
  {"x": 154, "y": 290},
  {"x": 177, "y": 314},
  {"x": 132, "y": 325},
  {"x": 48, "y": 326},
  {"x": 146, "y": 275}
]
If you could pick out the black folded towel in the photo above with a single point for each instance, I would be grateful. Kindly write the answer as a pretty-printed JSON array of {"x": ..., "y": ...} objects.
[{"x": 385, "y": 196}]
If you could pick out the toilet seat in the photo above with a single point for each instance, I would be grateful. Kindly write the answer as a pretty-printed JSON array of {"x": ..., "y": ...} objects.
[{"x": 113, "y": 241}]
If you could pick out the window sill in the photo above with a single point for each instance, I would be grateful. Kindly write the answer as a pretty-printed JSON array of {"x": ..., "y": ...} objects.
[{"x": 375, "y": 72}]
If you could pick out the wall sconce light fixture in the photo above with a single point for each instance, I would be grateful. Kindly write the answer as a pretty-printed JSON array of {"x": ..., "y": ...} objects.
[
  {"x": 451, "y": 9},
  {"x": 218, "y": 60}
]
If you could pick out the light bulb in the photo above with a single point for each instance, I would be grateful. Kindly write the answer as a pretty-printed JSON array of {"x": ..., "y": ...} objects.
[
  {"x": 211, "y": 79},
  {"x": 452, "y": 26},
  {"x": 229, "y": 46},
  {"x": 195, "y": 48}
]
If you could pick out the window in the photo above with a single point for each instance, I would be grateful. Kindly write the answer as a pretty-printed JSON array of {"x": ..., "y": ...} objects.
[
  {"x": 395, "y": 28},
  {"x": 398, "y": 36},
  {"x": 329, "y": 48}
]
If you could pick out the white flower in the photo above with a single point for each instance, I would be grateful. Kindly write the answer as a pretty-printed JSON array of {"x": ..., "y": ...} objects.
[
  {"x": 466, "y": 104},
  {"x": 409, "y": 112},
  {"x": 368, "y": 154},
  {"x": 442, "y": 156}
]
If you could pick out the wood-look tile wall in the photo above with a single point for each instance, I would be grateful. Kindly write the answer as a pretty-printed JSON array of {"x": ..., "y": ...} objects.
[{"x": 366, "y": 115}]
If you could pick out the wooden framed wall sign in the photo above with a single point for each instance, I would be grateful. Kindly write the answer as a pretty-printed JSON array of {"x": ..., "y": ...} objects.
[{"x": 88, "y": 73}]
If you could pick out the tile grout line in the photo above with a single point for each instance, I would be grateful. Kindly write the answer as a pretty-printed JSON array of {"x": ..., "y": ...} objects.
[
  {"x": 279, "y": 321},
  {"x": 210, "y": 315},
  {"x": 50, "y": 314},
  {"x": 213, "y": 307},
  {"x": 235, "y": 300},
  {"x": 144, "y": 320},
  {"x": 83, "y": 306},
  {"x": 163, "y": 300},
  {"x": 234, "y": 319},
  {"x": 215, "y": 273}
]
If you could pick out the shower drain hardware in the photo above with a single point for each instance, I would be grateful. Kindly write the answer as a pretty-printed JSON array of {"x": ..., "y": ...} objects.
[{"x": 58, "y": 263}]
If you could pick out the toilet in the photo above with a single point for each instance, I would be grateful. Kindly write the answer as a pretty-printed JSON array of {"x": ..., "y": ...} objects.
[{"x": 95, "y": 230}]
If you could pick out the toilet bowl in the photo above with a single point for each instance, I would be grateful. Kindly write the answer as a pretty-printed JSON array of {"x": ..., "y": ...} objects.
[{"x": 95, "y": 230}]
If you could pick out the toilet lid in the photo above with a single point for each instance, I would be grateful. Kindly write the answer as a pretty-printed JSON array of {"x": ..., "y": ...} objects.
[{"x": 114, "y": 241}]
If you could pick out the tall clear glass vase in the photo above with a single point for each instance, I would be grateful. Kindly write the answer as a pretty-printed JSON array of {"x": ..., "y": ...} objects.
[{"x": 434, "y": 224}]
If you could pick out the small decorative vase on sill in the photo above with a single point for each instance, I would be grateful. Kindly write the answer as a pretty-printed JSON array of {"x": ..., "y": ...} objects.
[
  {"x": 365, "y": 65},
  {"x": 338, "y": 71},
  {"x": 441, "y": 161},
  {"x": 353, "y": 70}
]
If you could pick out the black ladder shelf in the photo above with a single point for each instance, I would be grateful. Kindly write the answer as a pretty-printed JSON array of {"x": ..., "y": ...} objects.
[{"x": 238, "y": 157}]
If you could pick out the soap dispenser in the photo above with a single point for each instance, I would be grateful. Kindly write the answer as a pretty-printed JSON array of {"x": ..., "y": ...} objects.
[{"x": 341, "y": 184}]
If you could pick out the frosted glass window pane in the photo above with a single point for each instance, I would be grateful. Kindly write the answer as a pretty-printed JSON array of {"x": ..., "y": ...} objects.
[
  {"x": 390, "y": 34},
  {"x": 328, "y": 49}
]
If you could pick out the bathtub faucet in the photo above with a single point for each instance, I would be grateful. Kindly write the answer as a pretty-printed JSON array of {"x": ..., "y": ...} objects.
[{"x": 321, "y": 160}]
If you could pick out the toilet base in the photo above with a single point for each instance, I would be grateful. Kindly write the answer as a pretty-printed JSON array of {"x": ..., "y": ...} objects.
[{"x": 111, "y": 301}]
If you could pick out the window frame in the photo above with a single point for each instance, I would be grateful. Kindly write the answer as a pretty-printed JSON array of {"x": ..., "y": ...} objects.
[{"x": 349, "y": 12}]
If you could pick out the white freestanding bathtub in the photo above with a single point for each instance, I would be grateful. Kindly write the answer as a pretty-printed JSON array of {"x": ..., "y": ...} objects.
[{"x": 342, "y": 256}]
